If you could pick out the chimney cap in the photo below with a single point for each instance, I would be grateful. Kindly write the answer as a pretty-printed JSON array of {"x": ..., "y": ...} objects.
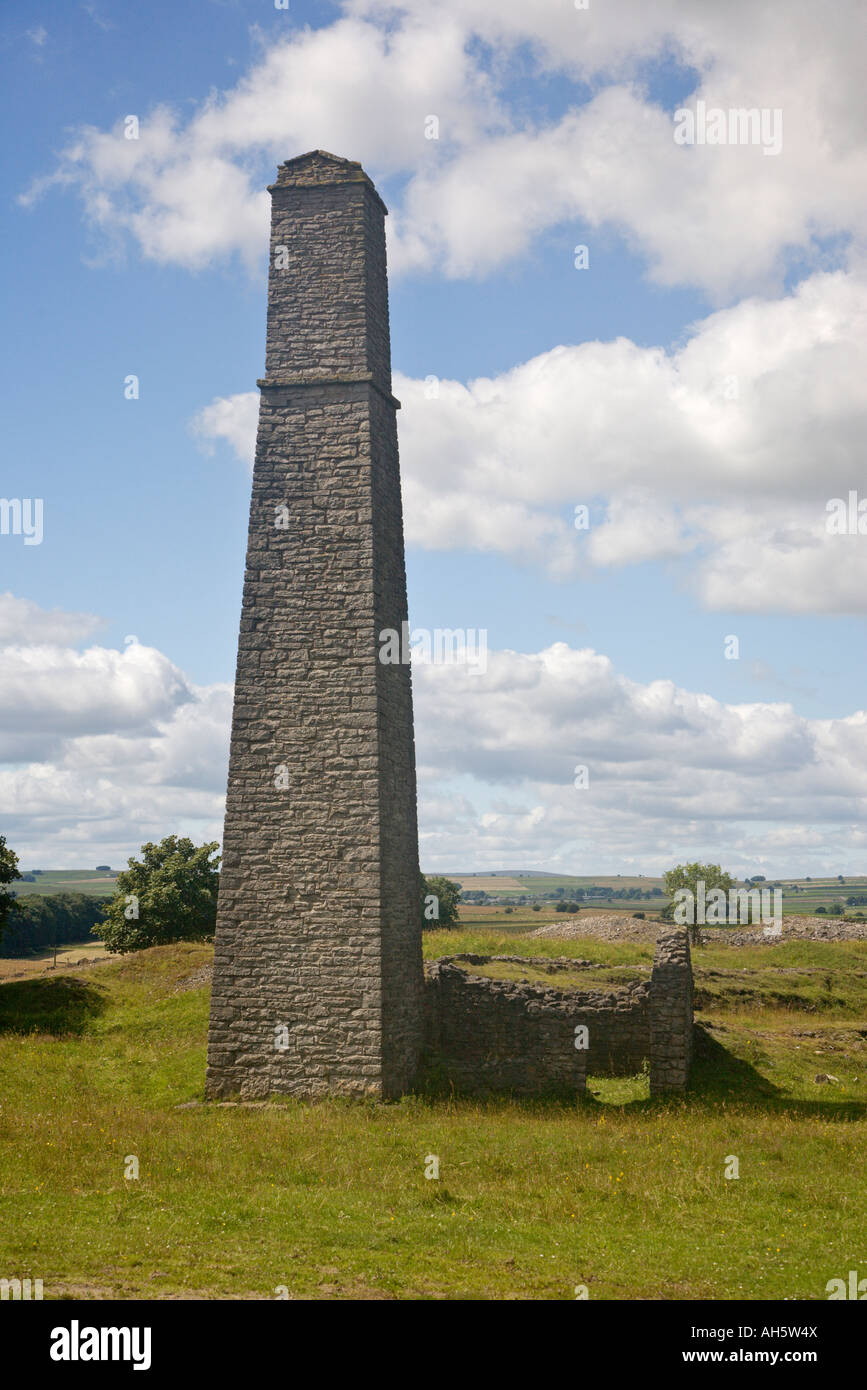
[{"x": 318, "y": 168}]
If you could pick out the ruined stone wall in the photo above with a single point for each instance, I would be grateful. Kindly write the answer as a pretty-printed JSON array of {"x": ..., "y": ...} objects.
[
  {"x": 485, "y": 1034},
  {"x": 671, "y": 1013},
  {"x": 318, "y": 917}
]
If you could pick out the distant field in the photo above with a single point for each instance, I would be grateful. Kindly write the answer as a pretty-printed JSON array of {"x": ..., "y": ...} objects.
[
  {"x": 67, "y": 881},
  {"x": 800, "y": 896},
  {"x": 488, "y": 883},
  {"x": 546, "y": 883}
]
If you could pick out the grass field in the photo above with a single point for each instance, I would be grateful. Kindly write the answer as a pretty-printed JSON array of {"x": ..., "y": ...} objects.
[
  {"x": 800, "y": 897},
  {"x": 67, "y": 881},
  {"x": 617, "y": 1192}
]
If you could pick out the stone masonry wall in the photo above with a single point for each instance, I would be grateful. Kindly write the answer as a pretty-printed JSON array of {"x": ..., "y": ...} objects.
[
  {"x": 671, "y": 1013},
  {"x": 495, "y": 1035},
  {"x": 486, "y": 1034},
  {"x": 318, "y": 918}
]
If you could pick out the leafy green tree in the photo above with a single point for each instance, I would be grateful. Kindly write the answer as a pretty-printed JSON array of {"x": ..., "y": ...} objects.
[
  {"x": 8, "y": 873},
  {"x": 439, "y": 902},
  {"x": 689, "y": 876},
  {"x": 170, "y": 894},
  {"x": 40, "y": 921}
]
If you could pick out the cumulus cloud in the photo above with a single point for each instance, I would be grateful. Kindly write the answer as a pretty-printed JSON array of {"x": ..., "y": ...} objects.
[
  {"x": 191, "y": 191},
  {"x": 24, "y": 623},
  {"x": 673, "y": 773},
  {"x": 101, "y": 749},
  {"x": 105, "y": 749},
  {"x": 233, "y": 419},
  {"x": 722, "y": 453},
  {"x": 59, "y": 692},
  {"x": 724, "y": 218}
]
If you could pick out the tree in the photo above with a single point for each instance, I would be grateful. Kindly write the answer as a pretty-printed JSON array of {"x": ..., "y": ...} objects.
[
  {"x": 40, "y": 921},
  {"x": 439, "y": 902},
  {"x": 8, "y": 873},
  {"x": 170, "y": 894},
  {"x": 690, "y": 876}
]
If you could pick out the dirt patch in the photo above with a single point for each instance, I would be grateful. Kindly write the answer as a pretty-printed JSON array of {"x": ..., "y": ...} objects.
[{"x": 197, "y": 980}]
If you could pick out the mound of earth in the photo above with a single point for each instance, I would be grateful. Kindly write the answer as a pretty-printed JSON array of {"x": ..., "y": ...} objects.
[
  {"x": 607, "y": 926},
  {"x": 611, "y": 926}
]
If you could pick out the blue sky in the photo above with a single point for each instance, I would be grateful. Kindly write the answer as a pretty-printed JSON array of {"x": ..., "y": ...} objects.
[{"x": 705, "y": 523}]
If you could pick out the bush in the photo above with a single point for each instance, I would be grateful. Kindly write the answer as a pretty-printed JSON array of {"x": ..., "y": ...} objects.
[
  {"x": 536, "y": 907},
  {"x": 638, "y": 914}
]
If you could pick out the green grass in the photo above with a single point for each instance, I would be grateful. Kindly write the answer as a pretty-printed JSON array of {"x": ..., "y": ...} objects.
[
  {"x": 803, "y": 902},
  {"x": 616, "y": 1191},
  {"x": 99, "y": 885}
]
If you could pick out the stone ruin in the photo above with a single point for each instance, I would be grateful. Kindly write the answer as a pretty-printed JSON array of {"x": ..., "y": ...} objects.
[
  {"x": 318, "y": 985},
  {"x": 484, "y": 1034}
]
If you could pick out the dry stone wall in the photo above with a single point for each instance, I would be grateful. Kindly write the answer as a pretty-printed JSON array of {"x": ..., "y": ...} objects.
[
  {"x": 489, "y": 1035},
  {"x": 485, "y": 1034}
]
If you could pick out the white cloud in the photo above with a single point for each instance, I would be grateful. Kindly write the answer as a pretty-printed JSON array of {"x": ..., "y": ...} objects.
[
  {"x": 191, "y": 192},
  {"x": 107, "y": 749},
  {"x": 24, "y": 623},
  {"x": 52, "y": 693},
  {"x": 673, "y": 773},
  {"x": 723, "y": 452},
  {"x": 102, "y": 750},
  {"x": 723, "y": 218},
  {"x": 232, "y": 418}
]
